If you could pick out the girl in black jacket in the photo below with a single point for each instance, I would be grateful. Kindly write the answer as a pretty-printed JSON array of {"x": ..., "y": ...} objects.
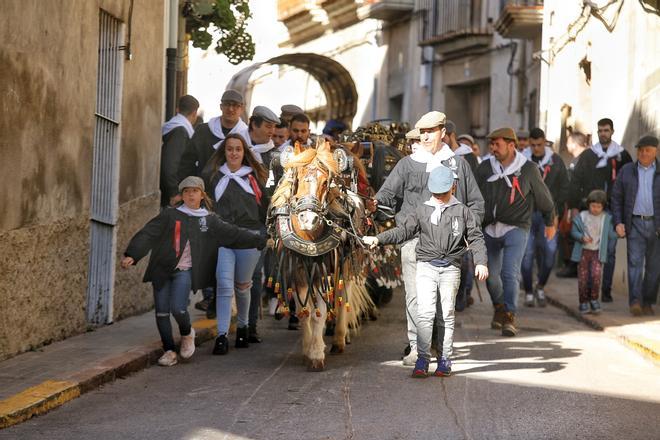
[
  {"x": 183, "y": 244},
  {"x": 236, "y": 180}
]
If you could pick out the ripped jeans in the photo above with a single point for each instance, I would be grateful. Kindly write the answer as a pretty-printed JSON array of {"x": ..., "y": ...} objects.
[
  {"x": 234, "y": 275},
  {"x": 172, "y": 298}
]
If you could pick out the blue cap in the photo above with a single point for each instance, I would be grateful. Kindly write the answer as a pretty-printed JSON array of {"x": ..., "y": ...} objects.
[{"x": 441, "y": 180}]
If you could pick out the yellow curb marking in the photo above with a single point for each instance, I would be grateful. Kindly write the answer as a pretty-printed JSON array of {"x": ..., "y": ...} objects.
[
  {"x": 646, "y": 347},
  {"x": 204, "y": 323},
  {"x": 36, "y": 400}
]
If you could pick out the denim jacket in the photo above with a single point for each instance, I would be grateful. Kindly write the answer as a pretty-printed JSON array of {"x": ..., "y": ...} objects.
[{"x": 577, "y": 232}]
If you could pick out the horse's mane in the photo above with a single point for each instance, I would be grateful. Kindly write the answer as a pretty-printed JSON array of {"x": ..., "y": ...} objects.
[{"x": 323, "y": 154}]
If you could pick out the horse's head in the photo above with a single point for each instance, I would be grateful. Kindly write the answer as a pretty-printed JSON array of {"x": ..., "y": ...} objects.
[{"x": 313, "y": 169}]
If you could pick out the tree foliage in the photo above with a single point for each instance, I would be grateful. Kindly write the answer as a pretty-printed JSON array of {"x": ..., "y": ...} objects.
[{"x": 227, "y": 19}]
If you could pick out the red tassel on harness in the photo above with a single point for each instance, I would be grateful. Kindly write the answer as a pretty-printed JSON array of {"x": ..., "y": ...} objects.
[
  {"x": 177, "y": 238},
  {"x": 515, "y": 186},
  {"x": 255, "y": 188}
]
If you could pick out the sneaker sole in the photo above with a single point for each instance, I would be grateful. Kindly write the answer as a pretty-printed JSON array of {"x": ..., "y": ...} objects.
[
  {"x": 419, "y": 375},
  {"x": 508, "y": 332},
  {"x": 168, "y": 365},
  {"x": 442, "y": 374}
]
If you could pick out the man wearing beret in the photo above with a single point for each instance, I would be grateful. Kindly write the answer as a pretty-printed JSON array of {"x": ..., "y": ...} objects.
[
  {"x": 406, "y": 186},
  {"x": 597, "y": 168},
  {"x": 636, "y": 210},
  {"x": 208, "y": 136},
  {"x": 512, "y": 188}
]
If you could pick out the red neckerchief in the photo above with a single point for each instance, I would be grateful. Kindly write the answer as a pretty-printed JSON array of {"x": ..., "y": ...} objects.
[
  {"x": 546, "y": 170},
  {"x": 255, "y": 188},
  {"x": 613, "y": 170},
  {"x": 515, "y": 185},
  {"x": 177, "y": 238}
]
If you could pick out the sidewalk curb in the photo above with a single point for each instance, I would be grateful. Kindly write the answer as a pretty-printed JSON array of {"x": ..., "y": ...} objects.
[
  {"x": 54, "y": 393},
  {"x": 635, "y": 344},
  {"x": 571, "y": 311}
]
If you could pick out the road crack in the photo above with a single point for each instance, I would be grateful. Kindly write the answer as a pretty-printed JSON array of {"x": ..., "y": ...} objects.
[{"x": 346, "y": 391}]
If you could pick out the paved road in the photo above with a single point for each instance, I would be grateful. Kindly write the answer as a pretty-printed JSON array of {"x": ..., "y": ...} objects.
[{"x": 557, "y": 380}]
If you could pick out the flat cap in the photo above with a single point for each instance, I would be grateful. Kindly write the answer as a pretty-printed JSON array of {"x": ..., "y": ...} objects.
[
  {"x": 505, "y": 132},
  {"x": 290, "y": 109},
  {"x": 467, "y": 137},
  {"x": 647, "y": 141},
  {"x": 524, "y": 134},
  {"x": 450, "y": 126},
  {"x": 231, "y": 95},
  {"x": 431, "y": 120},
  {"x": 191, "y": 182},
  {"x": 413, "y": 134},
  {"x": 265, "y": 113}
]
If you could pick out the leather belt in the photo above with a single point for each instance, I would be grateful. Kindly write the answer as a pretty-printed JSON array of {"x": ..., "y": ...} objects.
[{"x": 644, "y": 217}]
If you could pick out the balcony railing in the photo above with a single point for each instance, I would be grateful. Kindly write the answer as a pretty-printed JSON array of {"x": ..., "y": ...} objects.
[{"x": 451, "y": 19}]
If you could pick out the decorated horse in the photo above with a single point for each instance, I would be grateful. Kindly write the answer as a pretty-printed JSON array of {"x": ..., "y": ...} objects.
[{"x": 316, "y": 219}]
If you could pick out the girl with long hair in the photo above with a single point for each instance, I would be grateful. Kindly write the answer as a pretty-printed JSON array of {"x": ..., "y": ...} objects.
[{"x": 237, "y": 183}]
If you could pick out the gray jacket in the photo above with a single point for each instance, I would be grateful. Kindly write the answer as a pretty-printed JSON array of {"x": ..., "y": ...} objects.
[
  {"x": 448, "y": 240},
  {"x": 406, "y": 188}
]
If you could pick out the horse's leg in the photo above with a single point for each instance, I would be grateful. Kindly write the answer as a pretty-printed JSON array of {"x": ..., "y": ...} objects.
[
  {"x": 341, "y": 328},
  {"x": 302, "y": 288},
  {"x": 317, "y": 348}
]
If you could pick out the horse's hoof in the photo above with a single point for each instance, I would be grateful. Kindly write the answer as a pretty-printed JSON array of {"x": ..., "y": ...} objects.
[
  {"x": 316, "y": 365},
  {"x": 336, "y": 349}
]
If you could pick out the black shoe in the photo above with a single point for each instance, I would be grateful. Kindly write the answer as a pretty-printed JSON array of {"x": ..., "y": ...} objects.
[
  {"x": 210, "y": 310},
  {"x": 221, "y": 345},
  {"x": 606, "y": 298},
  {"x": 242, "y": 337},
  {"x": 253, "y": 336},
  {"x": 569, "y": 271},
  {"x": 203, "y": 305},
  {"x": 293, "y": 322}
]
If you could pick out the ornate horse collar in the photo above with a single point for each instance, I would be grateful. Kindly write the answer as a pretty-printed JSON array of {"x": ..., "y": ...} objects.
[{"x": 329, "y": 241}]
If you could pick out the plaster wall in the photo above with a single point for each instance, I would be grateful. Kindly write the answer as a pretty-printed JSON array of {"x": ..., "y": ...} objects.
[
  {"x": 624, "y": 67},
  {"x": 49, "y": 54}
]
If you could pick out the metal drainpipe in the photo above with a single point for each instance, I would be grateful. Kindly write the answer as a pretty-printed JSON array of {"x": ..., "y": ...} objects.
[{"x": 170, "y": 53}]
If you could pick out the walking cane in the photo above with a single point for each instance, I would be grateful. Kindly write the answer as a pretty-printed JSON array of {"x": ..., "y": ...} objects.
[{"x": 476, "y": 283}]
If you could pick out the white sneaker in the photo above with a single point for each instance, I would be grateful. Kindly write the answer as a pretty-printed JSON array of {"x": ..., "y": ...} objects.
[
  {"x": 168, "y": 359},
  {"x": 529, "y": 300},
  {"x": 272, "y": 306},
  {"x": 410, "y": 360},
  {"x": 540, "y": 297},
  {"x": 188, "y": 345}
]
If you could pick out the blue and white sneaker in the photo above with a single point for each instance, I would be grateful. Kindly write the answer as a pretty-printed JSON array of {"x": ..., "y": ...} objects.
[
  {"x": 421, "y": 369},
  {"x": 584, "y": 308},
  {"x": 595, "y": 306},
  {"x": 444, "y": 367}
]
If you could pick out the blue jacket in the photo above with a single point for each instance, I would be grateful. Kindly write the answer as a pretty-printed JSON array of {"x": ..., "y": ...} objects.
[
  {"x": 625, "y": 192},
  {"x": 577, "y": 232}
]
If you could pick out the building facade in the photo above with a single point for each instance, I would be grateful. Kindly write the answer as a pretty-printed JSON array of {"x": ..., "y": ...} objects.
[{"x": 82, "y": 88}]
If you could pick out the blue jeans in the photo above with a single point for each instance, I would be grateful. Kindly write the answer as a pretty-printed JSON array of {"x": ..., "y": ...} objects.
[
  {"x": 544, "y": 250},
  {"x": 235, "y": 267},
  {"x": 608, "y": 268},
  {"x": 172, "y": 298},
  {"x": 504, "y": 257},
  {"x": 643, "y": 262}
]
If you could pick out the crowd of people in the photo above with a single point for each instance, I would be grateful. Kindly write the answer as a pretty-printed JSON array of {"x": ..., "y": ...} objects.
[{"x": 459, "y": 216}]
